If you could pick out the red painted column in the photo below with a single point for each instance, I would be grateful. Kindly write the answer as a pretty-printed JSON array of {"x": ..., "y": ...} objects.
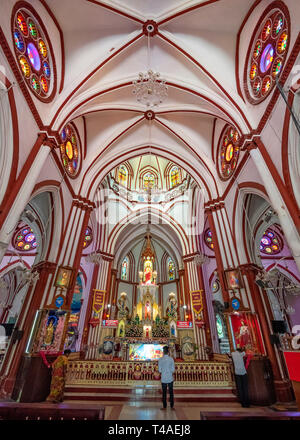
[
  {"x": 220, "y": 266},
  {"x": 88, "y": 311},
  {"x": 181, "y": 287},
  {"x": 205, "y": 310},
  {"x": 282, "y": 387},
  {"x": 78, "y": 255},
  {"x": 15, "y": 351}
]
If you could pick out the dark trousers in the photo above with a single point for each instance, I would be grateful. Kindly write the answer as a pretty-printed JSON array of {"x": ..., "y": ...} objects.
[
  {"x": 164, "y": 394},
  {"x": 242, "y": 388}
]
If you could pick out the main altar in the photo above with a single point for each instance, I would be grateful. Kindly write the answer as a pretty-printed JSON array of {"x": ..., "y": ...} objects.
[{"x": 144, "y": 328}]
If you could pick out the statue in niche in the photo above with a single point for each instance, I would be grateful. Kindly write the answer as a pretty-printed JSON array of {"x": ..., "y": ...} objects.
[
  {"x": 173, "y": 330},
  {"x": 172, "y": 306},
  {"x": 157, "y": 319},
  {"x": 243, "y": 338},
  {"x": 148, "y": 273},
  {"x": 49, "y": 333},
  {"x": 123, "y": 310},
  {"x": 137, "y": 319},
  {"x": 147, "y": 310}
]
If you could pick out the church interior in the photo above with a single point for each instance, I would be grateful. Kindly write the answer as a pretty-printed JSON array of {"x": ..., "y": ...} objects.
[{"x": 149, "y": 196}]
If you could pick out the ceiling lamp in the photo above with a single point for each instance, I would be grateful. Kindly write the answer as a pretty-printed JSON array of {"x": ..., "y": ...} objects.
[{"x": 149, "y": 88}]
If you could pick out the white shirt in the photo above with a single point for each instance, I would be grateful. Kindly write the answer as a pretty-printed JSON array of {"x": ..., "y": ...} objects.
[
  {"x": 166, "y": 367},
  {"x": 238, "y": 362}
]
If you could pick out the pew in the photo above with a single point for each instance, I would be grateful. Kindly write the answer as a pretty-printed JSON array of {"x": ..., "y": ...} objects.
[
  {"x": 240, "y": 415},
  {"x": 22, "y": 412}
]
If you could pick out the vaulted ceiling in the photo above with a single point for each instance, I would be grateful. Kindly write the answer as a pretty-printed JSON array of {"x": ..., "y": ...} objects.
[{"x": 193, "y": 46}]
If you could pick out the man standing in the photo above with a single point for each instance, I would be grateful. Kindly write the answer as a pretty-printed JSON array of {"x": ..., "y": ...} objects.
[
  {"x": 241, "y": 376},
  {"x": 166, "y": 367}
]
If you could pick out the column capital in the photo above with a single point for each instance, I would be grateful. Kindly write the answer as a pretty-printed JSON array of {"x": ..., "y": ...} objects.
[
  {"x": 106, "y": 257},
  {"x": 250, "y": 268},
  {"x": 214, "y": 205},
  {"x": 47, "y": 266},
  {"x": 83, "y": 203}
]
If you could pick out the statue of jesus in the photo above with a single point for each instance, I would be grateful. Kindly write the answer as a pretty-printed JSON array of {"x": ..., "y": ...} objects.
[
  {"x": 147, "y": 310},
  {"x": 148, "y": 275}
]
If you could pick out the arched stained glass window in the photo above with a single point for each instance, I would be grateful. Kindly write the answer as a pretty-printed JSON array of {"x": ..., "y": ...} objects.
[
  {"x": 171, "y": 269},
  {"x": 267, "y": 54},
  {"x": 149, "y": 181},
  {"x": 175, "y": 176},
  {"x": 123, "y": 175},
  {"x": 208, "y": 239},
  {"x": 229, "y": 152},
  {"x": 270, "y": 243},
  {"x": 124, "y": 269},
  {"x": 33, "y": 54},
  {"x": 88, "y": 238},
  {"x": 69, "y": 150},
  {"x": 24, "y": 239}
]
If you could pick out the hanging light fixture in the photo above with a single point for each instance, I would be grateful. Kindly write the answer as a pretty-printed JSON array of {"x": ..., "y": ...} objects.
[{"x": 149, "y": 88}]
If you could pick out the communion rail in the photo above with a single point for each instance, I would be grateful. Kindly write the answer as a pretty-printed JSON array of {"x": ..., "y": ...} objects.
[{"x": 199, "y": 374}]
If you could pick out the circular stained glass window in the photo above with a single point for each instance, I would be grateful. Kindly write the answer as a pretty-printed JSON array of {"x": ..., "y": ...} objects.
[
  {"x": 33, "y": 56},
  {"x": 270, "y": 243},
  {"x": 69, "y": 150},
  {"x": 88, "y": 237},
  {"x": 24, "y": 239},
  {"x": 267, "y": 54},
  {"x": 229, "y": 152},
  {"x": 208, "y": 239}
]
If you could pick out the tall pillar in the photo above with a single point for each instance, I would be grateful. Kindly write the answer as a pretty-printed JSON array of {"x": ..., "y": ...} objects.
[
  {"x": 181, "y": 287},
  {"x": 112, "y": 299},
  {"x": 21, "y": 192},
  {"x": 225, "y": 250},
  {"x": 102, "y": 283},
  {"x": 220, "y": 257},
  {"x": 208, "y": 313},
  {"x": 70, "y": 252},
  {"x": 33, "y": 302},
  {"x": 282, "y": 383},
  {"x": 194, "y": 285},
  {"x": 43, "y": 294}
]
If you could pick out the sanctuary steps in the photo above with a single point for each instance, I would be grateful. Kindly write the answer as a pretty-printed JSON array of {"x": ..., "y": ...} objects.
[{"x": 145, "y": 393}]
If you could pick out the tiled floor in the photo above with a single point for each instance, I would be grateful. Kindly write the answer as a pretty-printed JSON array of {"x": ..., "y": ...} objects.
[
  {"x": 186, "y": 411},
  {"x": 151, "y": 410}
]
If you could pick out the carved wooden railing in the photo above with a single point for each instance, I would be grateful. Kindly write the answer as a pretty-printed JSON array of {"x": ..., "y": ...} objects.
[{"x": 198, "y": 374}]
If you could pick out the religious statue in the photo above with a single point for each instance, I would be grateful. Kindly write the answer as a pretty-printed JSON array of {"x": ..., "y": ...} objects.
[
  {"x": 156, "y": 374},
  {"x": 172, "y": 306},
  {"x": 137, "y": 375},
  {"x": 148, "y": 274},
  {"x": 117, "y": 348},
  {"x": 147, "y": 310},
  {"x": 137, "y": 319},
  {"x": 243, "y": 338},
  {"x": 123, "y": 310},
  {"x": 49, "y": 333}
]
